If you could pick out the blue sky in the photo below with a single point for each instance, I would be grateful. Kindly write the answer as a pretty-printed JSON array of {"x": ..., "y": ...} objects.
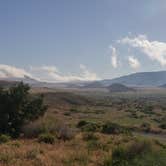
[{"x": 88, "y": 39}]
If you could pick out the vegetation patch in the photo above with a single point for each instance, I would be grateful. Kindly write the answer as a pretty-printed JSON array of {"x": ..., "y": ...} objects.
[
  {"x": 4, "y": 138},
  {"x": 113, "y": 128},
  {"x": 88, "y": 126},
  {"x": 47, "y": 138}
]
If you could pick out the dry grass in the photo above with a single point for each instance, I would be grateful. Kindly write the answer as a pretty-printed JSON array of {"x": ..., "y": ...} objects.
[
  {"x": 77, "y": 151},
  {"x": 29, "y": 152}
]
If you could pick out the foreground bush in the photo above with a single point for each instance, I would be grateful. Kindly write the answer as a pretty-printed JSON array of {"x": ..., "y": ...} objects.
[
  {"x": 88, "y": 126},
  {"x": 64, "y": 133},
  {"x": 163, "y": 125},
  {"x": 17, "y": 106},
  {"x": 112, "y": 128},
  {"x": 47, "y": 138},
  {"x": 48, "y": 124},
  {"x": 139, "y": 153},
  {"x": 88, "y": 136},
  {"x": 4, "y": 138}
]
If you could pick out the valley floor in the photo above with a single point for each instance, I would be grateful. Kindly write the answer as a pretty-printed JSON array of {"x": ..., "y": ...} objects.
[{"x": 93, "y": 129}]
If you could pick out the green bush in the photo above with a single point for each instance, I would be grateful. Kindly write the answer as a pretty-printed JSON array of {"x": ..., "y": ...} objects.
[
  {"x": 126, "y": 156},
  {"x": 107, "y": 161},
  {"x": 146, "y": 126},
  {"x": 18, "y": 106},
  {"x": 88, "y": 126},
  {"x": 163, "y": 125},
  {"x": 112, "y": 128},
  {"x": 82, "y": 123},
  {"x": 74, "y": 110},
  {"x": 4, "y": 138},
  {"x": 47, "y": 138},
  {"x": 87, "y": 136}
]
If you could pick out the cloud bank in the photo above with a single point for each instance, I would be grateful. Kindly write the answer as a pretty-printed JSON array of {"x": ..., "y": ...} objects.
[
  {"x": 12, "y": 71},
  {"x": 46, "y": 73}
]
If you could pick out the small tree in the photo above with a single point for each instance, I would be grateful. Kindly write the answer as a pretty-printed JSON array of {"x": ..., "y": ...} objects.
[{"x": 18, "y": 106}]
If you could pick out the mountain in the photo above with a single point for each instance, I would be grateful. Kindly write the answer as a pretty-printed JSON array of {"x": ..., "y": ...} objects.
[
  {"x": 143, "y": 79},
  {"x": 95, "y": 84},
  {"x": 119, "y": 88},
  {"x": 163, "y": 86},
  {"x": 25, "y": 79},
  {"x": 6, "y": 84}
]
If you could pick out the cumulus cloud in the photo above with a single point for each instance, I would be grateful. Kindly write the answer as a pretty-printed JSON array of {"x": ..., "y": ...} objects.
[
  {"x": 88, "y": 75},
  {"x": 155, "y": 50},
  {"x": 52, "y": 74},
  {"x": 114, "y": 57},
  {"x": 133, "y": 62},
  {"x": 11, "y": 71}
]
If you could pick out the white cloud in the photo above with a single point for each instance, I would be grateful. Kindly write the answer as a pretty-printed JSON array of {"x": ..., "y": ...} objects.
[
  {"x": 114, "y": 57},
  {"x": 133, "y": 62},
  {"x": 46, "y": 73},
  {"x": 88, "y": 75},
  {"x": 11, "y": 71},
  {"x": 155, "y": 50},
  {"x": 52, "y": 74}
]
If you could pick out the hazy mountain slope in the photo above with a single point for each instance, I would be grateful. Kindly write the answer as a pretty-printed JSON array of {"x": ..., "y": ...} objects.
[
  {"x": 119, "y": 88},
  {"x": 139, "y": 79},
  {"x": 5, "y": 84},
  {"x": 95, "y": 84}
]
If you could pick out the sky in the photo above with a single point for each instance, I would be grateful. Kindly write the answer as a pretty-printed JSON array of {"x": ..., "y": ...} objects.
[{"x": 66, "y": 40}]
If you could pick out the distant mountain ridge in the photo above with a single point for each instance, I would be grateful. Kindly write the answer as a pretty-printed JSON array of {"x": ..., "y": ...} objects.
[
  {"x": 157, "y": 78},
  {"x": 143, "y": 79}
]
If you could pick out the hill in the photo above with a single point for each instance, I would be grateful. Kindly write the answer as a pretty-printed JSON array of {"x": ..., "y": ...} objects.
[
  {"x": 6, "y": 84},
  {"x": 119, "y": 88},
  {"x": 139, "y": 79},
  {"x": 96, "y": 84}
]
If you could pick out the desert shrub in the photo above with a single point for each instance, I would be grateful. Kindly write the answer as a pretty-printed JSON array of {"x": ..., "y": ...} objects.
[
  {"x": 138, "y": 148},
  {"x": 126, "y": 156},
  {"x": 148, "y": 109},
  {"x": 74, "y": 110},
  {"x": 96, "y": 145},
  {"x": 67, "y": 114},
  {"x": 64, "y": 132},
  {"x": 77, "y": 158},
  {"x": 47, "y": 138},
  {"x": 17, "y": 106},
  {"x": 160, "y": 144},
  {"x": 134, "y": 115},
  {"x": 87, "y": 136},
  {"x": 33, "y": 129},
  {"x": 6, "y": 158},
  {"x": 50, "y": 125},
  {"x": 107, "y": 161},
  {"x": 4, "y": 138},
  {"x": 146, "y": 126},
  {"x": 163, "y": 125},
  {"x": 16, "y": 144},
  {"x": 32, "y": 154},
  {"x": 82, "y": 123},
  {"x": 119, "y": 157},
  {"x": 88, "y": 126},
  {"x": 112, "y": 128},
  {"x": 44, "y": 125}
]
